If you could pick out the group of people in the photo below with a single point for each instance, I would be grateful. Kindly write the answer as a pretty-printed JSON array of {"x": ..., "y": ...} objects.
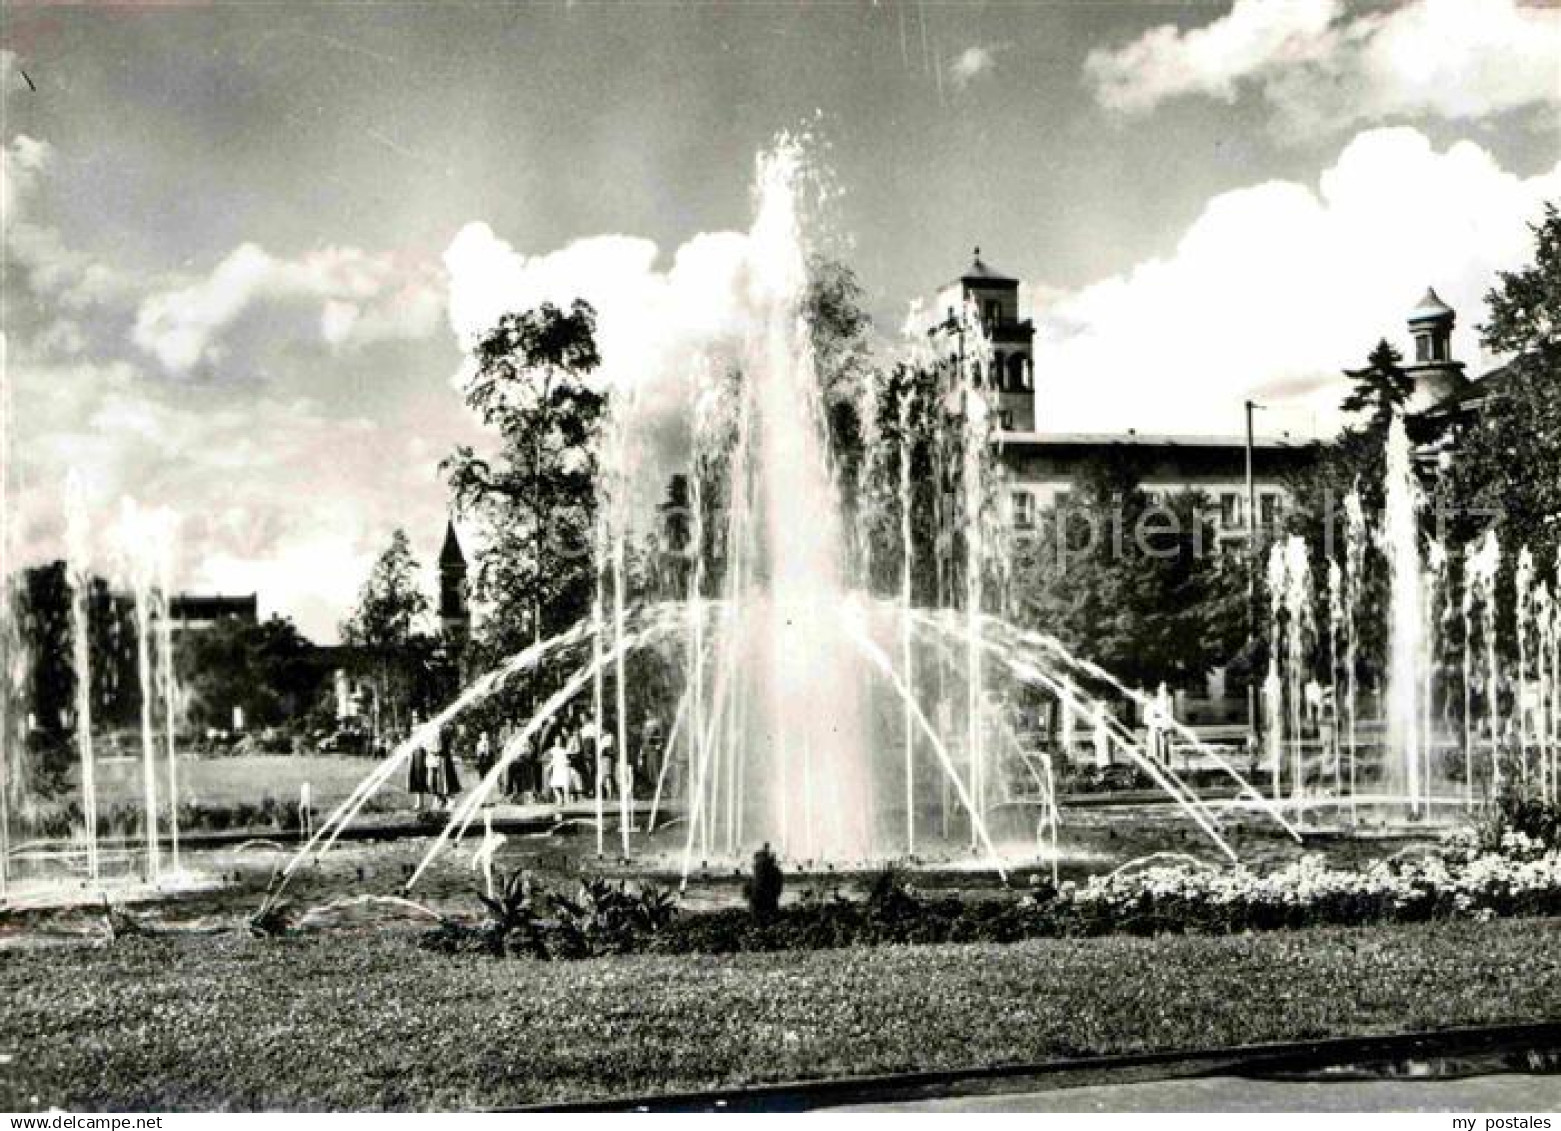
[
  {"x": 567, "y": 759},
  {"x": 432, "y": 777}
]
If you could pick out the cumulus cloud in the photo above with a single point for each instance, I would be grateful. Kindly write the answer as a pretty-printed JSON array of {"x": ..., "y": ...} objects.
[
  {"x": 970, "y": 64},
  {"x": 346, "y": 297},
  {"x": 1277, "y": 287},
  {"x": 1325, "y": 66},
  {"x": 655, "y": 326},
  {"x": 86, "y": 346},
  {"x": 234, "y": 472}
]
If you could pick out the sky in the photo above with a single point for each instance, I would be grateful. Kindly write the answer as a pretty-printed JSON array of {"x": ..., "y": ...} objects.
[{"x": 247, "y": 244}]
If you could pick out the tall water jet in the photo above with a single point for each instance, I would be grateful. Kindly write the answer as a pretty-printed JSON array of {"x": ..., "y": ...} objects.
[
  {"x": 975, "y": 417},
  {"x": 170, "y": 680},
  {"x": 1300, "y": 631},
  {"x": 1438, "y": 606},
  {"x": 1523, "y": 625},
  {"x": 1482, "y": 562},
  {"x": 1336, "y": 658},
  {"x": 1273, "y": 684},
  {"x": 1354, "y": 588},
  {"x": 907, "y": 560},
  {"x": 1548, "y": 617},
  {"x": 133, "y": 533},
  {"x": 1406, "y": 616},
  {"x": 597, "y": 630},
  {"x": 78, "y": 572},
  {"x": 620, "y": 690},
  {"x": 1543, "y": 707},
  {"x": 810, "y": 673}
]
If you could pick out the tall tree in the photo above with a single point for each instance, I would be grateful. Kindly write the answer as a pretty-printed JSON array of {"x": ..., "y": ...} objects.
[
  {"x": 535, "y": 499},
  {"x": 1506, "y": 464},
  {"x": 1382, "y": 388},
  {"x": 385, "y": 628}
]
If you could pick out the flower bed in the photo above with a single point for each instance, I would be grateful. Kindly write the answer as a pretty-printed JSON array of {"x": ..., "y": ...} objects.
[
  {"x": 1519, "y": 876},
  {"x": 1459, "y": 881}
]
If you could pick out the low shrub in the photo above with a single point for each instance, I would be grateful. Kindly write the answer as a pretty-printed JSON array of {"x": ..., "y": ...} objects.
[
  {"x": 762, "y": 889},
  {"x": 526, "y": 918},
  {"x": 1530, "y": 816}
]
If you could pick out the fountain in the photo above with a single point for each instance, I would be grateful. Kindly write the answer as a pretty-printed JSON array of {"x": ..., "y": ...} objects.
[
  {"x": 118, "y": 848},
  {"x": 845, "y": 726},
  {"x": 806, "y": 716}
]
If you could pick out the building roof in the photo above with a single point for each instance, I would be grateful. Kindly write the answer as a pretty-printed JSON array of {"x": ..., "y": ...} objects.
[
  {"x": 212, "y": 606},
  {"x": 451, "y": 554},
  {"x": 1430, "y": 308},
  {"x": 1148, "y": 440},
  {"x": 980, "y": 271},
  {"x": 1473, "y": 395}
]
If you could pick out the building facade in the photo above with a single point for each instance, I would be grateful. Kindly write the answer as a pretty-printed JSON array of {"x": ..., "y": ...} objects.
[{"x": 1041, "y": 466}]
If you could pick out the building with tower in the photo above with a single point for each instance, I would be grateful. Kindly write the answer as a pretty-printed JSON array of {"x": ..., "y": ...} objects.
[
  {"x": 1438, "y": 377},
  {"x": 1041, "y": 466},
  {"x": 1012, "y": 338}
]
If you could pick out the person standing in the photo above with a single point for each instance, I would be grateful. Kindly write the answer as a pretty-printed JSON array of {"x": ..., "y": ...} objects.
[
  {"x": 484, "y": 759},
  {"x": 559, "y": 771},
  {"x": 604, "y": 763},
  {"x": 417, "y": 776},
  {"x": 449, "y": 780}
]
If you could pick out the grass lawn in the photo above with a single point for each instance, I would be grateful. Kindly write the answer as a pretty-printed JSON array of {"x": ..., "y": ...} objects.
[
  {"x": 367, "y": 1021},
  {"x": 245, "y": 779}
]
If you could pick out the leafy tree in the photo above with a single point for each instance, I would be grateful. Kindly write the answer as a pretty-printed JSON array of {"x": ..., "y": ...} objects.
[
  {"x": 1135, "y": 585},
  {"x": 536, "y": 498},
  {"x": 269, "y": 670},
  {"x": 1382, "y": 388},
  {"x": 909, "y": 416},
  {"x": 1507, "y": 461},
  {"x": 839, "y": 330},
  {"x": 386, "y": 626}
]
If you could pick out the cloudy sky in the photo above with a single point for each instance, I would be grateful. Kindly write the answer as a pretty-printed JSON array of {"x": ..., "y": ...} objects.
[{"x": 244, "y": 244}]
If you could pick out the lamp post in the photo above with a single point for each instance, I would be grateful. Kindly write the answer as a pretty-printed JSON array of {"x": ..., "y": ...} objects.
[{"x": 1252, "y": 614}]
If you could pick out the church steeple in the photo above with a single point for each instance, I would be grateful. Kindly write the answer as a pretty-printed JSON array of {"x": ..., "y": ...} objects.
[{"x": 453, "y": 612}]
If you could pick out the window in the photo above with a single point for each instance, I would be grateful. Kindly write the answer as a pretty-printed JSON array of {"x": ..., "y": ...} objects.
[
  {"x": 1231, "y": 510},
  {"x": 1023, "y": 510},
  {"x": 1272, "y": 507},
  {"x": 994, "y": 312}
]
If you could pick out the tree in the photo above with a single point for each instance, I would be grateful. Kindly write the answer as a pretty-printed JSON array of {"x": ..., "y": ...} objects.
[
  {"x": 838, "y": 332},
  {"x": 268, "y": 670},
  {"x": 1136, "y": 585},
  {"x": 536, "y": 499},
  {"x": 385, "y": 628},
  {"x": 1382, "y": 388},
  {"x": 1506, "y": 463}
]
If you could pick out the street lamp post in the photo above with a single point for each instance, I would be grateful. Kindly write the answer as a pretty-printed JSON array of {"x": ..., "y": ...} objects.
[{"x": 1252, "y": 611}]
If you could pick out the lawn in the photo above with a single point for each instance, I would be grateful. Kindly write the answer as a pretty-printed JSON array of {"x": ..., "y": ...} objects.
[
  {"x": 369, "y": 1020},
  {"x": 243, "y": 779}
]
